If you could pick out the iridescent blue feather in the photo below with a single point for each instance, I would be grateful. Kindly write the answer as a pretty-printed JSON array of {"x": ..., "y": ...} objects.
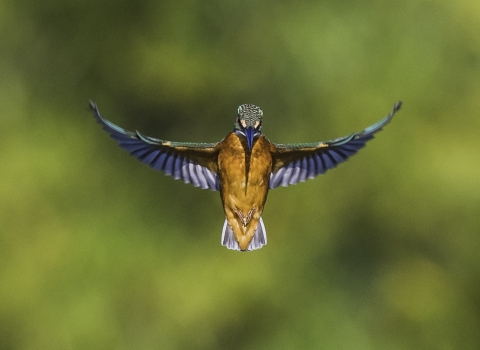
[
  {"x": 294, "y": 163},
  {"x": 183, "y": 161}
]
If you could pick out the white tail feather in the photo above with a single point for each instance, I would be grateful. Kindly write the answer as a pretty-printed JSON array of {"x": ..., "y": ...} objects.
[{"x": 258, "y": 241}]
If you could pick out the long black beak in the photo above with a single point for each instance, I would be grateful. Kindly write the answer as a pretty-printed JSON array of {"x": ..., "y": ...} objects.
[{"x": 250, "y": 132}]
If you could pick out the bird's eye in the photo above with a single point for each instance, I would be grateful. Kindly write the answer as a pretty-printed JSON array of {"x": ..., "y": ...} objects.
[
  {"x": 242, "y": 122},
  {"x": 256, "y": 125}
]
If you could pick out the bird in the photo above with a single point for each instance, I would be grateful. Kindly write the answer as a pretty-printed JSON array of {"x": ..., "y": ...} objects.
[{"x": 243, "y": 166}]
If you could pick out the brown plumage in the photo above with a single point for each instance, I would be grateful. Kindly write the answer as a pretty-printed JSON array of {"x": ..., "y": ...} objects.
[
  {"x": 243, "y": 166},
  {"x": 244, "y": 177}
]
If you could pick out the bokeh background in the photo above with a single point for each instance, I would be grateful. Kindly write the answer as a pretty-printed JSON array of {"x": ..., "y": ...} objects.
[{"x": 98, "y": 251}]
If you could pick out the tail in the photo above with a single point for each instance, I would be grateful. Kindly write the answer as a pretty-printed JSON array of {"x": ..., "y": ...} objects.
[{"x": 258, "y": 241}]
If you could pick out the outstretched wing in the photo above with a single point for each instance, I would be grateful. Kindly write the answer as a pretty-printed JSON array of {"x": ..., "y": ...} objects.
[
  {"x": 193, "y": 163},
  {"x": 293, "y": 163}
]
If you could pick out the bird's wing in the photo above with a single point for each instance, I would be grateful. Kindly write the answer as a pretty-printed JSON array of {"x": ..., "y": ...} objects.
[
  {"x": 293, "y": 163},
  {"x": 193, "y": 163}
]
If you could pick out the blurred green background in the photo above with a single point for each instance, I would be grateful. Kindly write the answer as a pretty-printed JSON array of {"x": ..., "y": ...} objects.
[{"x": 98, "y": 251}]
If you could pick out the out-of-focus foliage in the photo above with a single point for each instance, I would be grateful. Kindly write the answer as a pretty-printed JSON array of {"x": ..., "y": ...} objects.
[{"x": 97, "y": 251}]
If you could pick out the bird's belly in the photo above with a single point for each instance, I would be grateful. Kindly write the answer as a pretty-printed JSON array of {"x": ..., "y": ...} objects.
[
  {"x": 244, "y": 178},
  {"x": 243, "y": 195}
]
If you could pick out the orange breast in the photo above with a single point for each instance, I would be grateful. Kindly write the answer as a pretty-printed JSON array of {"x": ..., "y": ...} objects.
[{"x": 244, "y": 178}]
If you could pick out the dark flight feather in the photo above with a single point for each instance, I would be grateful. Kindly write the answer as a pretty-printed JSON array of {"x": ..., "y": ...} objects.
[
  {"x": 294, "y": 163},
  {"x": 193, "y": 163}
]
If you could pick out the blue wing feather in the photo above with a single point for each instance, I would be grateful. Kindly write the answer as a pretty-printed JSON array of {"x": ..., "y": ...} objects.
[
  {"x": 189, "y": 162},
  {"x": 295, "y": 163}
]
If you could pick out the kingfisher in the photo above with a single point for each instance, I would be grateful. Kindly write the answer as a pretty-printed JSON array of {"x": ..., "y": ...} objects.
[{"x": 243, "y": 167}]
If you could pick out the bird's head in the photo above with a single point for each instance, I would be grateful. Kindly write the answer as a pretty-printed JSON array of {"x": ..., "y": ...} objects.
[{"x": 249, "y": 122}]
